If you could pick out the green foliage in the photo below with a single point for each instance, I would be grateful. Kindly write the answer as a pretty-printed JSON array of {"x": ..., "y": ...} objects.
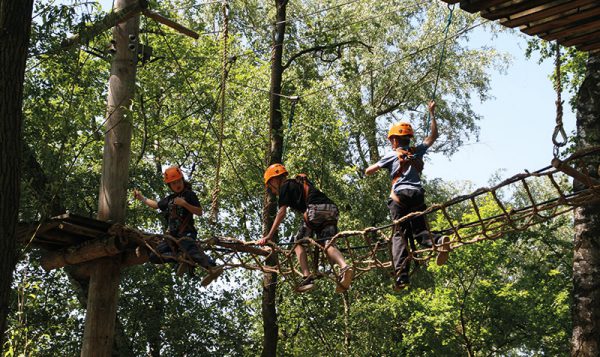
[
  {"x": 572, "y": 65},
  {"x": 507, "y": 297}
]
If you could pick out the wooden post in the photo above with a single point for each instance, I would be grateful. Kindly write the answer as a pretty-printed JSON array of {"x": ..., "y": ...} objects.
[
  {"x": 101, "y": 308},
  {"x": 104, "y": 281}
]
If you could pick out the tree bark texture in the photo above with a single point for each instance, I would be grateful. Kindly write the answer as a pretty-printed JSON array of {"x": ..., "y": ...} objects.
[
  {"x": 104, "y": 281},
  {"x": 117, "y": 143},
  {"x": 101, "y": 308},
  {"x": 15, "y": 27},
  {"x": 269, "y": 311},
  {"x": 586, "y": 259}
]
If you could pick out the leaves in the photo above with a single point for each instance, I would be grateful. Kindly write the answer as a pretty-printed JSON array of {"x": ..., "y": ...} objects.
[{"x": 506, "y": 297}]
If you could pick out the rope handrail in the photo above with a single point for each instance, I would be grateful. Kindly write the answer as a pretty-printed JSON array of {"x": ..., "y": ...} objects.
[{"x": 373, "y": 254}]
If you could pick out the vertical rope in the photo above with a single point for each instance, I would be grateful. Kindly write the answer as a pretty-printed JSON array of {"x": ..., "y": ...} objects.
[
  {"x": 439, "y": 67},
  {"x": 215, "y": 194},
  {"x": 558, "y": 129}
]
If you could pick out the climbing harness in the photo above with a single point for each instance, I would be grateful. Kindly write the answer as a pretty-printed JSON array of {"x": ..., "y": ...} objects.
[{"x": 407, "y": 158}]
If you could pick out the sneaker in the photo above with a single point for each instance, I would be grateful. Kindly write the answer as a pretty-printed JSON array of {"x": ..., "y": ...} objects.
[
  {"x": 213, "y": 273},
  {"x": 307, "y": 284},
  {"x": 401, "y": 282},
  {"x": 443, "y": 250},
  {"x": 344, "y": 279}
]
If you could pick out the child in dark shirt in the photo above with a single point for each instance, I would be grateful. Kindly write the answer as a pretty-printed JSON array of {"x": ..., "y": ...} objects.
[
  {"x": 180, "y": 207},
  {"x": 320, "y": 217}
]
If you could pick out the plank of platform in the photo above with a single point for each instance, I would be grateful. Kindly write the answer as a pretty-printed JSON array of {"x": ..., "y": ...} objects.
[
  {"x": 478, "y": 5},
  {"x": 100, "y": 248},
  {"x": 571, "y": 21},
  {"x": 84, "y": 221},
  {"x": 546, "y": 11},
  {"x": 572, "y": 31},
  {"x": 515, "y": 9}
]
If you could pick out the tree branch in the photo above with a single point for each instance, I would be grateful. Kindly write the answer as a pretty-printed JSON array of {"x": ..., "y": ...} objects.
[{"x": 337, "y": 45}]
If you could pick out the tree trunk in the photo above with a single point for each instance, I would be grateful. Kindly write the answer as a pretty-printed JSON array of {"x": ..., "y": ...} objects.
[
  {"x": 269, "y": 312},
  {"x": 586, "y": 259},
  {"x": 104, "y": 281},
  {"x": 371, "y": 136},
  {"x": 15, "y": 26}
]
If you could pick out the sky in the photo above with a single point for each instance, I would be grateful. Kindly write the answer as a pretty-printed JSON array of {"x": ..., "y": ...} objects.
[{"x": 517, "y": 122}]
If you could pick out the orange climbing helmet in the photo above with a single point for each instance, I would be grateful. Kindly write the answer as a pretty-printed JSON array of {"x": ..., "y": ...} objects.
[
  {"x": 401, "y": 129},
  {"x": 173, "y": 173},
  {"x": 273, "y": 171}
]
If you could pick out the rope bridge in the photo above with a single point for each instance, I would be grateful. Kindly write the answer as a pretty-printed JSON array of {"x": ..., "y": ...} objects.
[{"x": 365, "y": 249}]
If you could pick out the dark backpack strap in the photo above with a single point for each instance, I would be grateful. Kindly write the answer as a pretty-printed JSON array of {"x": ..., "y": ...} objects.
[{"x": 303, "y": 180}]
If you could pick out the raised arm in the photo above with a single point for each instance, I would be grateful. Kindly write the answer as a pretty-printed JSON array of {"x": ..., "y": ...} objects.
[
  {"x": 137, "y": 194},
  {"x": 433, "y": 132}
]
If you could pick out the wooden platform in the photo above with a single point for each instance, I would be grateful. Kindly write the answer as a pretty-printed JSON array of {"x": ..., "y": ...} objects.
[
  {"x": 71, "y": 239},
  {"x": 63, "y": 231},
  {"x": 570, "y": 22}
]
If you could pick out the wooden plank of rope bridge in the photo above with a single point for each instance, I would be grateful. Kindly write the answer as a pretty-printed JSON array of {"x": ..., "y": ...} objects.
[
  {"x": 584, "y": 179},
  {"x": 241, "y": 247},
  {"x": 546, "y": 11}
]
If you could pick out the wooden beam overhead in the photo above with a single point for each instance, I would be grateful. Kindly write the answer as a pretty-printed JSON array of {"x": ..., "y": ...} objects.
[
  {"x": 519, "y": 9},
  {"x": 564, "y": 21},
  {"x": 581, "y": 39},
  {"x": 590, "y": 46},
  {"x": 542, "y": 12},
  {"x": 172, "y": 24},
  {"x": 478, "y": 5},
  {"x": 574, "y": 30},
  {"x": 570, "y": 22}
]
